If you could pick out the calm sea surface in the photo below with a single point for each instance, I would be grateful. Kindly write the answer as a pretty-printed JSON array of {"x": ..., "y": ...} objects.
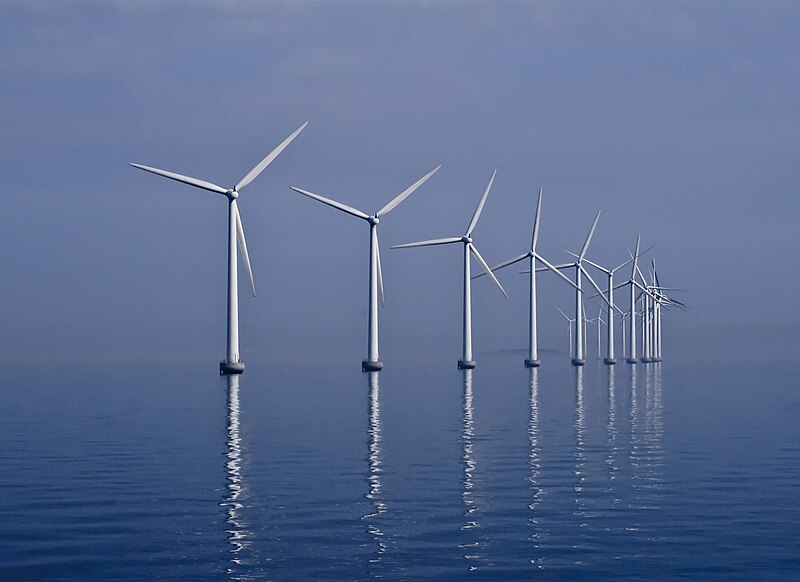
[{"x": 664, "y": 471}]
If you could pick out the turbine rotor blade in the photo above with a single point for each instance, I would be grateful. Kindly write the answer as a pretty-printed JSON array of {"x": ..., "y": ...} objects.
[
  {"x": 380, "y": 270},
  {"x": 598, "y": 267},
  {"x": 406, "y": 193},
  {"x": 589, "y": 237},
  {"x": 185, "y": 179},
  {"x": 252, "y": 174},
  {"x": 329, "y": 202},
  {"x": 429, "y": 243},
  {"x": 486, "y": 268},
  {"x": 477, "y": 214},
  {"x": 243, "y": 246},
  {"x": 504, "y": 264},
  {"x": 565, "y": 315},
  {"x": 554, "y": 269},
  {"x": 595, "y": 285},
  {"x": 535, "y": 235},
  {"x": 635, "y": 256}
]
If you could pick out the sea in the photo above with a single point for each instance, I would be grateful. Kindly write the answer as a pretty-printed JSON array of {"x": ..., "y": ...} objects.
[{"x": 681, "y": 470}]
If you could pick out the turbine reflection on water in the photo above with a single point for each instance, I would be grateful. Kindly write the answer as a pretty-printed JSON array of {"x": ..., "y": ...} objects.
[
  {"x": 534, "y": 461},
  {"x": 237, "y": 528},
  {"x": 374, "y": 461},
  {"x": 611, "y": 459},
  {"x": 580, "y": 447},
  {"x": 468, "y": 496},
  {"x": 646, "y": 456}
]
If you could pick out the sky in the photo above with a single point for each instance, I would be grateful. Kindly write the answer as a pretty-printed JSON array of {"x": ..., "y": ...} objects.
[{"x": 678, "y": 120}]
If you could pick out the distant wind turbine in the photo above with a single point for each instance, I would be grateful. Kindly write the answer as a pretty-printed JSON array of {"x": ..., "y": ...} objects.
[
  {"x": 466, "y": 361},
  {"x": 610, "y": 358},
  {"x": 232, "y": 363},
  {"x": 578, "y": 358},
  {"x": 569, "y": 330},
  {"x": 532, "y": 360},
  {"x": 373, "y": 362}
]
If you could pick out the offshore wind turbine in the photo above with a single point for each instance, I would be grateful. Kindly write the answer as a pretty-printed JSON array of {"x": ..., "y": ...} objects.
[
  {"x": 633, "y": 283},
  {"x": 466, "y": 361},
  {"x": 532, "y": 361},
  {"x": 373, "y": 361},
  {"x": 578, "y": 358},
  {"x": 569, "y": 330},
  {"x": 232, "y": 363},
  {"x": 610, "y": 359}
]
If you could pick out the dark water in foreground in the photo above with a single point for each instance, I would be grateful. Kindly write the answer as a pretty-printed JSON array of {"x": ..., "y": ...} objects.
[{"x": 677, "y": 470}]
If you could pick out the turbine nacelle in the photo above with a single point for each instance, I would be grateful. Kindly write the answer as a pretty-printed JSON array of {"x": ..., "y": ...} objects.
[
  {"x": 466, "y": 240},
  {"x": 374, "y": 220},
  {"x": 232, "y": 194}
]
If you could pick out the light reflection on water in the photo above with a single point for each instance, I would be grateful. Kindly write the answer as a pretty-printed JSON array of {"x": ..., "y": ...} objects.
[
  {"x": 233, "y": 503},
  {"x": 535, "y": 522},
  {"x": 601, "y": 473},
  {"x": 471, "y": 548},
  {"x": 374, "y": 462}
]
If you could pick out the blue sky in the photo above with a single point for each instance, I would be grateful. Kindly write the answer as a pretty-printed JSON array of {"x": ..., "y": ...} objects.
[{"x": 680, "y": 120}]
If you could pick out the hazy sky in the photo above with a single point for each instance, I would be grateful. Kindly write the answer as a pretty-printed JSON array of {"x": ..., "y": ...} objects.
[{"x": 680, "y": 120}]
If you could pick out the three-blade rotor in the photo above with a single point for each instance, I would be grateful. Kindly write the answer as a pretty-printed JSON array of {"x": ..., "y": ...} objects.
[
  {"x": 466, "y": 239},
  {"x": 532, "y": 252},
  {"x": 373, "y": 219},
  {"x": 232, "y": 193}
]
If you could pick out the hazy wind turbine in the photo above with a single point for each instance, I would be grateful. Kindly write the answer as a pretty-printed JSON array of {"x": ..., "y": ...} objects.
[
  {"x": 569, "y": 330},
  {"x": 232, "y": 363},
  {"x": 578, "y": 358},
  {"x": 633, "y": 283},
  {"x": 466, "y": 361},
  {"x": 532, "y": 360},
  {"x": 373, "y": 362},
  {"x": 610, "y": 307}
]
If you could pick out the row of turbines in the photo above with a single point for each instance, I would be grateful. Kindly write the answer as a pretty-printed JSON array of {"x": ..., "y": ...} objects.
[{"x": 649, "y": 295}]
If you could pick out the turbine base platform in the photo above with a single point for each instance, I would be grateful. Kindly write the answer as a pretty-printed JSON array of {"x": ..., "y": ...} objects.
[
  {"x": 466, "y": 364},
  {"x": 609, "y": 361},
  {"x": 577, "y": 362},
  {"x": 647, "y": 360},
  {"x": 226, "y": 368},
  {"x": 632, "y": 361},
  {"x": 371, "y": 366},
  {"x": 532, "y": 363}
]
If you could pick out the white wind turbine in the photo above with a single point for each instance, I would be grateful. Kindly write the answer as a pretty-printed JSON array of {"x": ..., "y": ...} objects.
[
  {"x": 466, "y": 361},
  {"x": 232, "y": 363},
  {"x": 633, "y": 283},
  {"x": 569, "y": 329},
  {"x": 532, "y": 360},
  {"x": 610, "y": 358},
  {"x": 373, "y": 362},
  {"x": 578, "y": 358}
]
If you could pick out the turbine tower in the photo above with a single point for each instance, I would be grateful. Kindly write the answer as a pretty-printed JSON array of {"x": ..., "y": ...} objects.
[
  {"x": 373, "y": 362},
  {"x": 232, "y": 363},
  {"x": 532, "y": 361},
  {"x": 466, "y": 361}
]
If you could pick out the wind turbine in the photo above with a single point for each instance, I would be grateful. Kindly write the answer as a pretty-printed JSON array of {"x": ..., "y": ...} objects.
[
  {"x": 466, "y": 361},
  {"x": 578, "y": 358},
  {"x": 632, "y": 359},
  {"x": 532, "y": 361},
  {"x": 373, "y": 362},
  {"x": 569, "y": 329},
  {"x": 610, "y": 360},
  {"x": 232, "y": 363}
]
